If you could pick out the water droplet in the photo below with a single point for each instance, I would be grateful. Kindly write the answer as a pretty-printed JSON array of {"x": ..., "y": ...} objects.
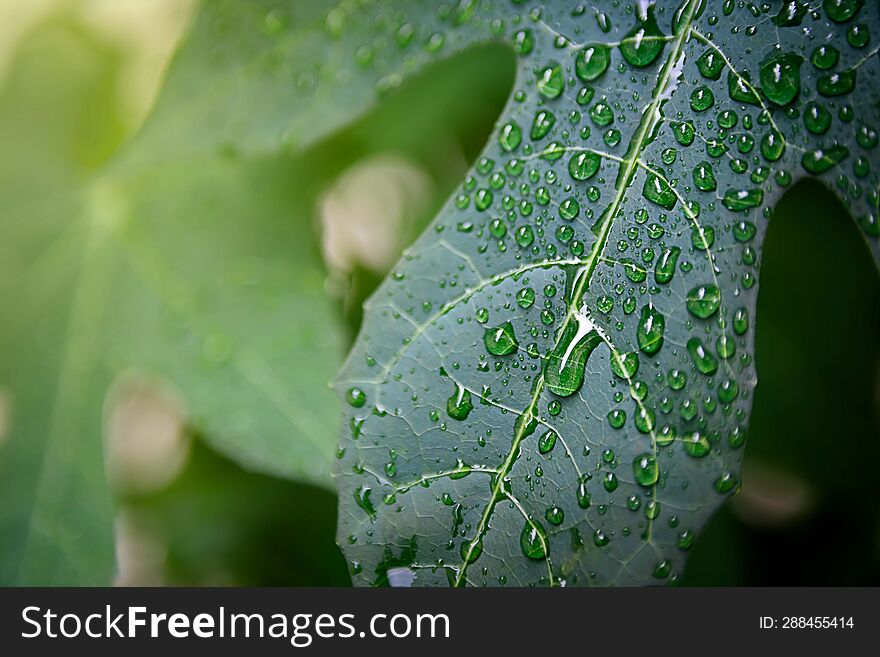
[
  {"x": 483, "y": 199},
  {"x": 525, "y": 297},
  {"x": 511, "y": 136},
  {"x": 569, "y": 209},
  {"x": 739, "y": 88},
  {"x": 500, "y": 340},
  {"x": 645, "y": 469},
  {"x": 533, "y": 540},
  {"x": 741, "y": 321},
  {"x": 841, "y": 11},
  {"x": 695, "y": 444},
  {"x": 523, "y": 42},
  {"x": 821, "y": 159},
  {"x": 362, "y": 499},
  {"x": 616, "y": 418},
  {"x": 824, "y": 57},
  {"x": 710, "y": 64},
  {"x": 583, "y": 497},
  {"x": 839, "y": 83},
  {"x": 740, "y": 200},
  {"x": 601, "y": 114},
  {"x": 791, "y": 13},
  {"x": 459, "y": 405},
  {"x": 726, "y": 483},
  {"x": 781, "y": 77},
  {"x": 866, "y": 137},
  {"x": 564, "y": 365},
  {"x": 662, "y": 569},
  {"x": 704, "y": 177},
  {"x": 686, "y": 539},
  {"x": 650, "y": 330},
  {"x": 684, "y": 132},
  {"x": 702, "y": 98},
  {"x": 727, "y": 119},
  {"x": 703, "y": 301},
  {"x": 702, "y": 358},
  {"x": 592, "y": 62},
  {"x": 625, "y": 365},
  {"x": 550, "y": 81},
  {"x": 728, "y": 391},
  {"x": 554, "y": 515},
  {"x": 547, "y": 442},
  {"x": 583, "y": 166},
  {"x": 542, "y": 124},
  {"x": 858, "y": 36},
  {"x": 665, "y": 267},
  {"x": 356, "y": 397},
  {"x": 610, "y": 482},
  {"x": 644, "y": 42},
  {"x": 657, "y": 191},
  {"x": 772, "y": 146},
  {"x": 644, "y": 420},
  {"x": 524, "y": 236},
  {"x": 725, "y": 346}
]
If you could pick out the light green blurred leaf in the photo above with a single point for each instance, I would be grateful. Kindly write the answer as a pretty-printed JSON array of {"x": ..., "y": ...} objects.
[
  {"x": 58, "y": 120},
  {"x": 194, "y": 259}
]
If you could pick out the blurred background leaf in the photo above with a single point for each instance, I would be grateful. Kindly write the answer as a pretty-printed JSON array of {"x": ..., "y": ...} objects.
[{"x": 61, "y": 117}]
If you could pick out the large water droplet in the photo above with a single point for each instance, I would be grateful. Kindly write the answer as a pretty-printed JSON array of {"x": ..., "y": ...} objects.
[
  {"x": 740, "y": 200},
  {"x": 781, "y": 77},
  {"x": 500, "y": 340},
  {"x": 644, "y": 42},
  {"x": 541, "y": 124},
  {"x": 625, "y": 365},
  {"x": 791, "y": 13},
  {"x": 362, "y": 499},
  {"x": 583, "y": 166},
  {"x": 838, "y": 83},
  {"x": 658, "y": 191},
  {"x": 703, "y": 301},
  {"x": 739, "y": 88},
  {"x": 459, "y": 405},
  {"x": 650, "y": 330},
  {"x": 710, "y": 64},
  {"x": 356, "y": 397},
  {"x": 703, "y": 359},
  {"x": 547, "y": 442},
  {"x": 704, "y": 177},
  {"x": 533, "y": 540},
  {"x": 645, "y": 469},
  {"x": 592, "y": 61},
  {"x": 841, "y": 11},
  {"x": 550, "y": 81},
  {"x": 564, "y": 365},
  {"x": 665, "y": 267},
  {"x": 511, "y": 136},
  {"x": 821, "y": 159}
]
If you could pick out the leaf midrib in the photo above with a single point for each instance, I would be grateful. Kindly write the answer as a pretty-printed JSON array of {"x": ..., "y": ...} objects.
[{"x": 628, "y": 167}]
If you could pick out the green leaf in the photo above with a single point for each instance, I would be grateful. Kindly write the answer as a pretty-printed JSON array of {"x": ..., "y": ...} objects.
[{"x": 601, "y": 475}]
